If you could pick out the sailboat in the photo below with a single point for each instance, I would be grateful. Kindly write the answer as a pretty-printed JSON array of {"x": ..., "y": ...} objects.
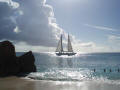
[{"x": 60, "y": 51}]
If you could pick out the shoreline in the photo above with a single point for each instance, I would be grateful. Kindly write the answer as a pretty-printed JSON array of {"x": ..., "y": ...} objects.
[{"x": 23, "y": 83}]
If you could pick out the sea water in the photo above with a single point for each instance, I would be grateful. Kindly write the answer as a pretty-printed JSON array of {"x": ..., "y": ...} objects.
[{"x": 81, "y": 67}]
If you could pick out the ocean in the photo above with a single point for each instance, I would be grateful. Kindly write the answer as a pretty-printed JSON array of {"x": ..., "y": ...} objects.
[{"x": 81, "y": 67}]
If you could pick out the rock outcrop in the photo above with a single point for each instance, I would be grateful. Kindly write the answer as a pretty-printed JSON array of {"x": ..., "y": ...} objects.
[
  {"x": 26, "y": 62},
  {"x": 10, "y": 64}
]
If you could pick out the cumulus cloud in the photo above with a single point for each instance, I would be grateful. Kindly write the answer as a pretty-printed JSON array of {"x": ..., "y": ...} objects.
[
  {"x": 114, "y": 42},
  {"x": 32, "y": 22},
  {"x": 101, "y": 27},
  {"x": 16, "y": 30},
  {"x": 6, "y": 24},
  {"x": 114, "y": 39},
  {"x": 24, "y": 47},
  {"x": 31, "y": 25},
  {"x": 11, "y": 3},
  {"x": 89, "y": 47}
]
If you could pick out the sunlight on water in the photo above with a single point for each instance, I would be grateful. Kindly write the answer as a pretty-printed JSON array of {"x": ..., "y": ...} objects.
[
  {"x": 66, "y": 74},
  {"x": 65, "y": 56},
  {"x": 77, "y": 68},
  {"x": 77, "y": 72}
]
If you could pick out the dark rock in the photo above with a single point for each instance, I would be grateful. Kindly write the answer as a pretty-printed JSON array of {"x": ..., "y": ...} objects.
[
  {"x": 12, "y": 65},
  {"x": 7, "y": 49},
  {"x": 27, "y": 62},
  {"x": 8, "y": 62}
]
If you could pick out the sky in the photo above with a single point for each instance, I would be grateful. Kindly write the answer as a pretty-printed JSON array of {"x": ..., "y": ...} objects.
[{"x": 93, "y": 25}]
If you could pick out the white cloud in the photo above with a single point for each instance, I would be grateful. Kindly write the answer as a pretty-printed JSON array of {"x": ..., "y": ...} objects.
[
  {"x": 90, "y": 47},
  {"x": 114, "y": 42},
  {"x": 114, "y": 39},
  {"x": 78, "y": 46},
  {"x": 31, "y": 25},
  {"x": 100, "y": 27},
  {"x": 11, "y": 3},
  {"x": 81, "y": 46},
  {"x": 34, "y": 19},
  {"x": 26, "y": 47},
  {"x": 16, "y": 30}
]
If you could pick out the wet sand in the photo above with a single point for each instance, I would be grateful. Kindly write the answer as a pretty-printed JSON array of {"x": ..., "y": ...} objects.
[{"x": 15, "y": 83}]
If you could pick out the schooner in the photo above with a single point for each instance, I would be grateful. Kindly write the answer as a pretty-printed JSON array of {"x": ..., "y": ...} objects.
[{"x": 60, "y": 51}]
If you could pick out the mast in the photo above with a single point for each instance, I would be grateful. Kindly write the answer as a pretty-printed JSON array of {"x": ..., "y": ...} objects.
[
  {"x": 69, "y": 45},
  {"x": 60, "y": 46}
]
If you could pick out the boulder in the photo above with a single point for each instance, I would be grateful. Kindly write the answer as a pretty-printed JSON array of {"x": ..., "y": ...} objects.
[
  {"x": 8, "y": 63},
  {"x": 7, "y": 49},
  {"x": 26, "y": 62},
  {"x": 12, "y": 65}
]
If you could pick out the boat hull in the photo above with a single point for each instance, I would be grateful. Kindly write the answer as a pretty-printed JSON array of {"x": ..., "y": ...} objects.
[{"x": 69, "y": 54}]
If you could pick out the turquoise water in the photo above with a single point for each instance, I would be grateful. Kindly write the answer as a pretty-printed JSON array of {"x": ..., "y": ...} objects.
[{"x": 77, "y": 68}]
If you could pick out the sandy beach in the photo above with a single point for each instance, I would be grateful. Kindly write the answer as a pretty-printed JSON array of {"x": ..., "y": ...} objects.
[{"x": 15, "y": 83}]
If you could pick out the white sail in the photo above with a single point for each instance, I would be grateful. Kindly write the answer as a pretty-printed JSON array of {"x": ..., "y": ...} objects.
[
  {"x": 69, "y": 45},
  {"x": 60, "y": 46}
]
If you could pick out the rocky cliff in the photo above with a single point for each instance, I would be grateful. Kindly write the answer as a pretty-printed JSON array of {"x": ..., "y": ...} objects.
[{"x": 10, "y": 64}]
